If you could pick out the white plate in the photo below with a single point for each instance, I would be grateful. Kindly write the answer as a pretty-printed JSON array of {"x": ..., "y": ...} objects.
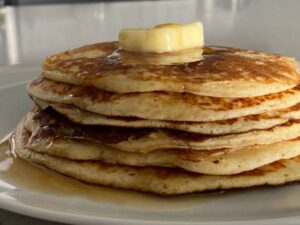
[{"x": 270, "y": 205}]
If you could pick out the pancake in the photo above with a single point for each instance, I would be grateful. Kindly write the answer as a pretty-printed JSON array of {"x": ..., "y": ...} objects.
[
  {"x": 143, "y": 140},
  {"x": 218, "y": 162},
  {"x": 164, "y": 181},
  {"x": 223, "y": 72},
  {"x": 160, "y": 105},
  {"x": 237, "y": 125}
]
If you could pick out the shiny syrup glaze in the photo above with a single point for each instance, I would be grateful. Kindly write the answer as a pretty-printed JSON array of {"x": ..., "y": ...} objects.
[
  {"x": 14, "y": 171},
  {"x": 51, "y": 125}
]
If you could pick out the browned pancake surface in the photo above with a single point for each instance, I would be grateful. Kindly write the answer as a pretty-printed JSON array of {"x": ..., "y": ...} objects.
[{"x": 219, "y": 64}]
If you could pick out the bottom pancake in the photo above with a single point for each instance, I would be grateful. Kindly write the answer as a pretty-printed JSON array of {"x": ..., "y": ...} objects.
[{"x": 164, "y": 181}]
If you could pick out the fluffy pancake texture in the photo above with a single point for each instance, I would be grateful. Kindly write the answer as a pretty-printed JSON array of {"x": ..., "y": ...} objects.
[
  {"x": 164, "y": 181},
  {"x": 160, "y": 105},
  {"x": 223, "y": 72},
  {"x": 231, "y": 120}
]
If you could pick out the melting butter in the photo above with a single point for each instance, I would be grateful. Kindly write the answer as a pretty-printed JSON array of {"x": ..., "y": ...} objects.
[{"x": 162, "y": 38}]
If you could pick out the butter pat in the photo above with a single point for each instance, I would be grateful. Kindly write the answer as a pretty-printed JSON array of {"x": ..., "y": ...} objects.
[{"x": 162, "y": 38}]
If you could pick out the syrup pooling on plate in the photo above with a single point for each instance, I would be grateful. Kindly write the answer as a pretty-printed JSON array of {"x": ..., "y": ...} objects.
[{"x": 15, "y": 173}]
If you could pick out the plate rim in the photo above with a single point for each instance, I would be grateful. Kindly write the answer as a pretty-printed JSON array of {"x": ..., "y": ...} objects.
[{"x": 67, "y": 217}]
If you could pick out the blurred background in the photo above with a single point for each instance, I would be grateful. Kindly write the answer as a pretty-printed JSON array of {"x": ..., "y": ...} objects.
[{"x": 30, "y": 30}]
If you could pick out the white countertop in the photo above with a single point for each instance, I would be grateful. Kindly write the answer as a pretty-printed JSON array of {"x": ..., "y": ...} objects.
[{"x": 30, "y": 33}]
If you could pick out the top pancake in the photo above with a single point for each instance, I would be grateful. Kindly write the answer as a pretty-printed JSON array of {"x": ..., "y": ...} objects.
[{"x": 224, "y": 72}]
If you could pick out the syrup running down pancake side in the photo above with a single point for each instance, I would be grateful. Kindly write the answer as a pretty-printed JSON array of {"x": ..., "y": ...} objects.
[{"x": 14, "y": 172}]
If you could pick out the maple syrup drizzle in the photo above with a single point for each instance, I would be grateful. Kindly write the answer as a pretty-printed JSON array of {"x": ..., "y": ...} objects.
[{"x": 18, "y": 173}]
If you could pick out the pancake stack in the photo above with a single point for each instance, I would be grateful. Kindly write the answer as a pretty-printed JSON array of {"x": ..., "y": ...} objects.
[{"x": 231, "y": 120}]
